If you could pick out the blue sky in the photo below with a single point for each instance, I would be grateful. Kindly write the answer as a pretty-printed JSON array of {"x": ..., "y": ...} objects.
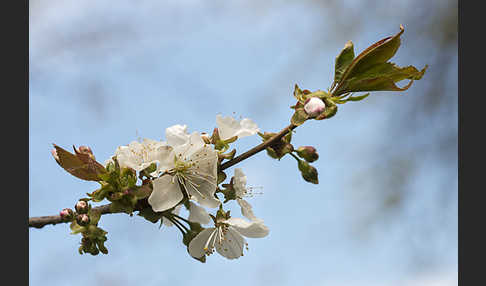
[{"x": 103, "y": 74}]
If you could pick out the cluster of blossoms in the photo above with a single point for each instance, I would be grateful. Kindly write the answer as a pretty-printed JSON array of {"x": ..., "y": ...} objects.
[
  {"x": 186, "y": 173},
  {"x": 187, "y": 169}
]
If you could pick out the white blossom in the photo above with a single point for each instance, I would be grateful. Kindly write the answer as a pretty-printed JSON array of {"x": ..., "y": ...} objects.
[
  {"x": 229, "y": 127},
  {"x": 227, "y": 237},
  {"x": 192, "y": 165},
  {"x": 239, "y": 185},
  {"x": 140, "y": 155}
]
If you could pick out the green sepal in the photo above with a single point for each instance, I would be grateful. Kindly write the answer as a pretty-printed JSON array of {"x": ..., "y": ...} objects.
[
  {"x": 330, "y": 110},
  {"x": 101, "y": 245},
  {"x": 94, "y": 217},
  {"x": 128, "y": 176},
  {"x": 299, "y": 94},
  {"x": 299, "y": 116},
  {"x": 142, "y": 192},
  {"x": 279, "y": 148},
  {"x": 370, "y": 71},
  {"x": 221, "y": 177},
  {"x": 150, "y": 215},
  {"x": 101, "y": 193},
  {"x": 76, "y": 228}
]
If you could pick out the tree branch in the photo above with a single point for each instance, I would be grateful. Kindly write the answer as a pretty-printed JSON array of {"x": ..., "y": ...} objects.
[{"x": 39, "y": 222}]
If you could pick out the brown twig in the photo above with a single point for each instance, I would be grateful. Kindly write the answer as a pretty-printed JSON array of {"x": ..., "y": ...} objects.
[{"x": 39, "y": 222}]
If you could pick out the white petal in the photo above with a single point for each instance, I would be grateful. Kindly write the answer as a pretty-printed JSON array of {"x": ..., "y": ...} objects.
[
  {"x": 127, "y": 157},
  {"x": 176, "y": 211},
  {"x": 203, "y": 177},
  {"x": 166, "y": 194},
  {"x": 248, "y": 128},
  {"x": 233, "y": 244},
  {"x": 164, "y": 155},
  {"x": 176, "y": 135},
  {"x": 197, "y": 244},
  {"x": 193, "y": 144},
  {"x": 239, "y": 183},
  {"x": 229, "y": 127},
  {"x": 198, "y": 214},
  {"x": 246, "y": 209},
  {"x": 254, "y": 229},
  {"x": 207, "y": 201}
]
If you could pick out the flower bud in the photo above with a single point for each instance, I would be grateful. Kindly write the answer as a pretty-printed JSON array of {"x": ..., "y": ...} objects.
[
  {"x": 82, "y": 219},
  {"x": 66, "y": 214},
  {"x": 81, "y": 207},
  {"x": 84, "y": 150},
  {"x": 308, "y": 172},
  {"x": 308, "y": 153},
  {"x": 314, "y": 106}
]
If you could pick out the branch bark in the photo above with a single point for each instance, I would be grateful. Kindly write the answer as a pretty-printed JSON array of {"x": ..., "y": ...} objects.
[{"x": 39, "y": 222}]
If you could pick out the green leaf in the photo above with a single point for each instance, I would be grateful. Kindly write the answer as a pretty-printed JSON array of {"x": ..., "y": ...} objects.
[
  {"x": 343, "y": 60},
  {"x": 357, "y": 98},
  {"x": 351, "y": 98},
  {"x": 94, "y": 217},
  {"x": 370, "y": 71},
  {"x": 299, "y": 117},
  {"x": 298, "y": 94},
  {"x": 76, "y": 228},
  {"x": 80, "y": 165}
]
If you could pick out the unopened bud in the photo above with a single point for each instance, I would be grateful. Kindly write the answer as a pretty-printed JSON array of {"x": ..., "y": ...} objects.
[
  {"x": 82, "y": 219},
  {"x": 81, "y": 207},
  {"x": 314, "y": 106},
  {"x": 308, "y": 153},
  {"x": 215, "y": 136},
  {"x": 66, "y": 214},
  {"x": 84, "y": 150},
  {"x": 308, "y": 172}
]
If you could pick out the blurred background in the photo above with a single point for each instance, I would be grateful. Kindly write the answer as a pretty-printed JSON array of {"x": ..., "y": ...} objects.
[{"x": 104, "y": 73}]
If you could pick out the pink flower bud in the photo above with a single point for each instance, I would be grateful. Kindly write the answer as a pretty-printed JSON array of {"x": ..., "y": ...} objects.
[
  {"x": 66, "y": 214},
  {"x": 81, "y": 207},
  {"x": 84, "y": 150},
  {"x": 314, "y": 106},
  {"x": 82, "y": 219}
]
